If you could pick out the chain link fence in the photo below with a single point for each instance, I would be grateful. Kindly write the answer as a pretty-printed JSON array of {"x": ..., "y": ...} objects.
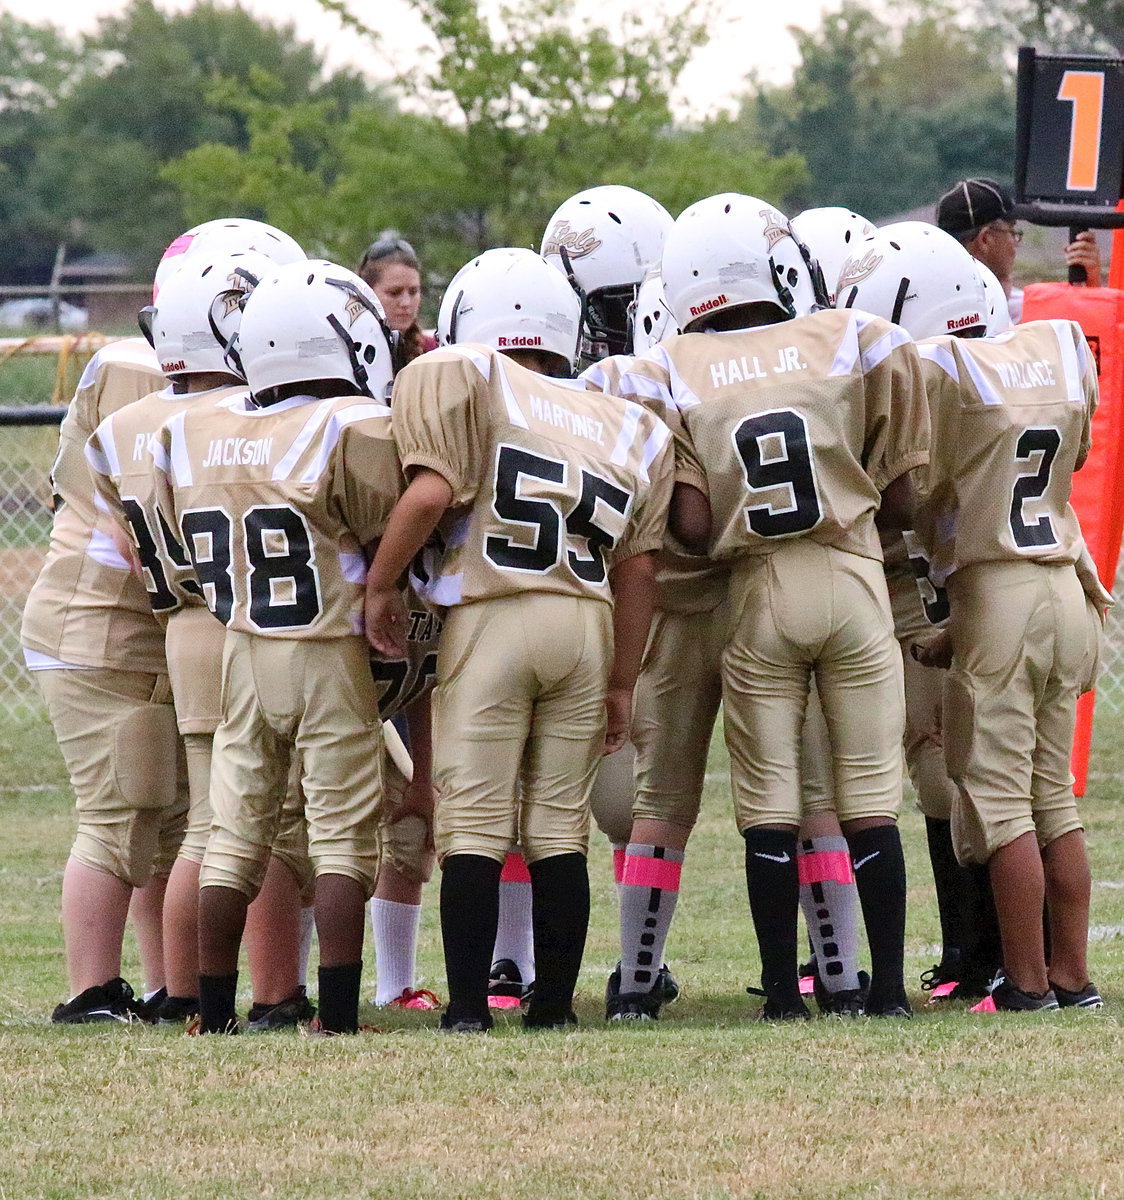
[{"x": 25, "y": 528}]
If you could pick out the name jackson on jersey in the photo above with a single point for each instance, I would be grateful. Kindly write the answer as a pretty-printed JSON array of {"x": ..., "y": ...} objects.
[{"x": 239, "y": 451}]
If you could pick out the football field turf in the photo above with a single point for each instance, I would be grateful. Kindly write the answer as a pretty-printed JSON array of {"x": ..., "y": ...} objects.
[{"x": 704, "y": 1105}]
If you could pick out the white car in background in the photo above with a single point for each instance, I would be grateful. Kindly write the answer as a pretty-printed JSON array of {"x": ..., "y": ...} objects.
[{"x": 36, "y": 313}]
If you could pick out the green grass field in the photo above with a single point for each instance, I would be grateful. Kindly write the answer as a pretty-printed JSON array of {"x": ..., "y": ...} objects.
[{"x": 707, "y": 1104}]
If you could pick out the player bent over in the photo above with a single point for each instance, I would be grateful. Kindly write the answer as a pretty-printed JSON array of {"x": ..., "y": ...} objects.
[
  {"x": 275, "y": 495},
  {"x": 550, "y": 501},
  {"x": 1011, "y": 418},
  {"x": 796, "y": 433}
]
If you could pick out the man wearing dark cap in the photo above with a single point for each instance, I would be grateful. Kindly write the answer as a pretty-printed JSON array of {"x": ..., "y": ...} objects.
[{"x": 979, "y": 213}]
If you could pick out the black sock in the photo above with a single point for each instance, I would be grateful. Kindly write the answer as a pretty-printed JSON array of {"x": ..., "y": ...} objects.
[
  {"x": 880, "y": 876},
  {"x": 560, "y": 918},
  {"x": 982, "y": 950},
  {"x": 774, "y": 897},
  {"x": 338, "y": 1000},
  {"x": 216, "y": 1003},
  {"x": 470, "y": 900},
  {"x": 949, "y": 881}
]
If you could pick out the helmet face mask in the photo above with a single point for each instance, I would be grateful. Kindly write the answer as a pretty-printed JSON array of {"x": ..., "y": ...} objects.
[
  {"x": 604, "y": 240},
  {"x": 312, "y": 322},
  {"x": 510, "y": 299},
  {"x": 919, "y": 277}
]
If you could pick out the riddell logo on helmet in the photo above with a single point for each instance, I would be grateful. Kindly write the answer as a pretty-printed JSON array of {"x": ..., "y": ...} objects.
[
  {"x": 698, "y": 309},
  {"x": 172, "y": 367},
  {"x": 965, "y": 322},
  {"x": 518, "y": 341}
]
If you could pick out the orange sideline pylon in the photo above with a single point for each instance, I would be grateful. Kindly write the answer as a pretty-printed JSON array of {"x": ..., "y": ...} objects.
[{"x": 1098, "y": 488}]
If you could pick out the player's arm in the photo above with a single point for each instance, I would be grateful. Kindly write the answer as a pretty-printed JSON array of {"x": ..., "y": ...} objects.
[
  {"x": 633, "y": 582},
  {"x": 898, "y": 507},
  {"x": 690, "y": 518},
  {"x": 415, "y": 517}
]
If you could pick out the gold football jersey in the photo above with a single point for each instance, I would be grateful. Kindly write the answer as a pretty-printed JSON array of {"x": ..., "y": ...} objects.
[
  {"x": 792, "y": 429},
  {"x": 685, "y": 583},
  {"x": 1011, "y": 420},
  {"x": 553, "y": 483},
  {"x": 120, "y": 460},
  {"x": 275, "y": 505},
  {"x": 87, "y": 607},
  {"x": 401, "y": 681}
]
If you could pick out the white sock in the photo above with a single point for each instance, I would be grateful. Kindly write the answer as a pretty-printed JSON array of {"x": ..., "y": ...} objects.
[
  {"x": 308, "y": 928},
  {"x": 514, "y": 935},
  {"x": 395, "y": 927}
]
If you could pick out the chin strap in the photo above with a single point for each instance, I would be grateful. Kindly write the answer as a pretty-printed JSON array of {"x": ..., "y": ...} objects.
[
  {"x": 393, "y": 340},
  {"x": 229, "y": 344},
  {"x": 899, "y": 300},
  {"x": 584, "y": 321}
]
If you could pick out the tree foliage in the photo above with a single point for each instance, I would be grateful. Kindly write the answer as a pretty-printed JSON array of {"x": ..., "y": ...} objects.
[
  {"x": 887, "y": 118},
  {"x": 119, "y": 140},
  {"x": 503, "y": 121}
]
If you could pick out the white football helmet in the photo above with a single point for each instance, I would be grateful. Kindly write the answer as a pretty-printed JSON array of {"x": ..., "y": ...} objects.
[
  {"x": 919, "y": 277},
  {"x": 729, "y": 250},
  {"x": 604, "y": 240},
  {"x": 315, "y": 320},
  {"x": 193, "y": 324},
  {"x": 832, "y": 235},
  {"x": 651, "y": 318},
  {"x": 510, "y": 299},
  {"x": 227, "y": 236},
  {"x": 998, "y": 310}
]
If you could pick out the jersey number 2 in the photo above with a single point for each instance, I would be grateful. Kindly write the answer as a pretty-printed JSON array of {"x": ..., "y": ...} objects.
[{"x": 1031, "y": 484}]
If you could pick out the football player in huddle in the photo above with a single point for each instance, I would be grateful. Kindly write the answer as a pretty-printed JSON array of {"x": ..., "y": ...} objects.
[
  {"x": 276, "y": 494},
  {"x": 192, "y": 325},
  {"x": 871, "y": 282},
  {"x": 1011, "y": 418},
  {"x": 97, "y": 654},
  {"x": 550, "y": 501},
  {"x": 795, "y": 435},
  {"x": 678, "y": 696},
  {"x": 605, "y": 241}
]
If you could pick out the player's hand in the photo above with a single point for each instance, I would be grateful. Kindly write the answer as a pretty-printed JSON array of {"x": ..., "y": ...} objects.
[
  {"x": 418, "y": 800},
  {"x": 1083, "y": 251},
  {"x": 386, "y": 619},
  {"x": 618, "y": 705},
  {"x": 937, "y": 653}
]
